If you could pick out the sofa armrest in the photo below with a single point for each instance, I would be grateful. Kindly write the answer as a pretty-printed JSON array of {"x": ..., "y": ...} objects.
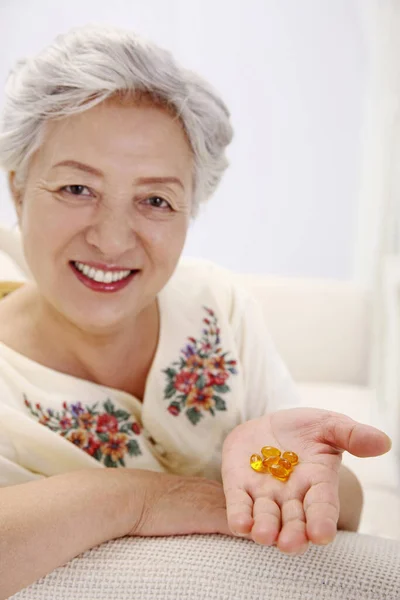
[
  {"x": 320, "y": 327},
  {"x": 214, "y": 567}
]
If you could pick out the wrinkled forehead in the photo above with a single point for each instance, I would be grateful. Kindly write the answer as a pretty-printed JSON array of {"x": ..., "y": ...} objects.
[{"x": 125, "y": 130}]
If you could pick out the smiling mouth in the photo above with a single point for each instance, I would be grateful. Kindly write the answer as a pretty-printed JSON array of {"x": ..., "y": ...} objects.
[{"x": 102, "y": 276}]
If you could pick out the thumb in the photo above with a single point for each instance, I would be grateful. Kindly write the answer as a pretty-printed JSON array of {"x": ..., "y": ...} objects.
[{"x": 357, "y": 438}]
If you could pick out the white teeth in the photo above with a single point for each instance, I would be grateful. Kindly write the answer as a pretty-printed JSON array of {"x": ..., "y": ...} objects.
[{"x": 99, "y": 275}]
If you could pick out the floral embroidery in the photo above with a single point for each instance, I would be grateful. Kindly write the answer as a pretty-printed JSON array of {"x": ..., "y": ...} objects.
[
  {"x": 197, "y": 379},
  {"x": 105, "y": 435}
]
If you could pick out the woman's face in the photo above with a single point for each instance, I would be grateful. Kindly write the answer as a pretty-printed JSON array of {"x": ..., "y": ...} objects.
[{"x": 105, "y": 211}]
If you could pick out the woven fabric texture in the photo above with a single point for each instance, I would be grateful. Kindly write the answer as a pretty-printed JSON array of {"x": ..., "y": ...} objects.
[{"x": 354, "y": 567}]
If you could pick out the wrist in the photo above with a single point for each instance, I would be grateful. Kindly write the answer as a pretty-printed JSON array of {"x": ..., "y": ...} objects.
[{"x": 126, "y": 500}]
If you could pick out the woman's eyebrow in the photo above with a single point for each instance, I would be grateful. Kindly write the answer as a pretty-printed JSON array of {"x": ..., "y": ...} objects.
[
  {"x": 140, "y": 181},
  {"x": 150, "y": 180},
  {"x": 78, "y": 165}
]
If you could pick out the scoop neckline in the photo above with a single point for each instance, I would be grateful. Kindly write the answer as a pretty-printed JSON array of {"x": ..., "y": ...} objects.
[{"x": 81, "y": 380}]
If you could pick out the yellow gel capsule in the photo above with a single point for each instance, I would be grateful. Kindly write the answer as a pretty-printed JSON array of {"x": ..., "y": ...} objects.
[
  {"x": 268, "y": 451},
  {"x": 279, "y": 472},
  {"x": 271, "y": 460},
  {"x": 281, "y": 478},
  {"x": 256, "y": 463},
  {"x": 283, "y": 462},
  {"x": 291, "y": 457}
]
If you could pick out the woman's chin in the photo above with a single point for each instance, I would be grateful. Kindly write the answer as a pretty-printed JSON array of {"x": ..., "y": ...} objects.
[{"x": 96, "y": 321}]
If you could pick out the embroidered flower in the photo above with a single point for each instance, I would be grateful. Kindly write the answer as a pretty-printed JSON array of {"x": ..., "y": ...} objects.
[
  {"x": 195, "y": 362},
  {"x": 174, "y": 409},
  {"x": 216, "y": 363},
  {"x": 202, "y": 399},
  {"x": 107, "y": 434},
  {"x": 196, "y": 381},
  {"x": 65, "y": 423},
  {"x": 185, "y": 380},
  {"x": 93, "y": 445},
  {"x": 136, "y": 428},
  {"x": 106, "y": 423},
  {"x": 76, "y": 409},
  {"x": 86, "y": 420},
  {"x": 213, "y": 379},
  {"x": 116, "y": 446},
  {"x": 78, "y": 437}
]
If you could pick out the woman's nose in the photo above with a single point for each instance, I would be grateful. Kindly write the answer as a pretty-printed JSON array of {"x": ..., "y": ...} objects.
[{"x": 112, "y": 233}]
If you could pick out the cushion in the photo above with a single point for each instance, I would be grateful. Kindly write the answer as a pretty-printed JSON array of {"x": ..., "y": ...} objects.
[
  {"x": 6, "y": 287},
  {"x": 216, "y": 567},
  {"x": 320, "y": 327}
]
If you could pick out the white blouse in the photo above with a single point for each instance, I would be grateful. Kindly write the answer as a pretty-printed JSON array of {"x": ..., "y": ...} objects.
[{"x": 215, "y": 367}]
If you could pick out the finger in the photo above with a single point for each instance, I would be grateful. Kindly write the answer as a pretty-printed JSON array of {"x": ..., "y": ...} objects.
[
  {"x": 321, "y": 508},
  {"x": 293, "y": 535},
  {"x": 357, "y": 438},
  {"x": 267, "y": 521},
  {"x": 239, "y": 509}
]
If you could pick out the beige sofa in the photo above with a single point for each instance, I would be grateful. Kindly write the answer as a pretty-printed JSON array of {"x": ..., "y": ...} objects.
[{"x": 322, "y": 331}]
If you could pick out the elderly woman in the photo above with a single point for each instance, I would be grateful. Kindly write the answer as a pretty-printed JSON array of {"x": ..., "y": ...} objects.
[{"x": 118, "y": 354}]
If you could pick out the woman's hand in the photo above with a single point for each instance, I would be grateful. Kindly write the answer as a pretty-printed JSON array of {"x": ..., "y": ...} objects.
[
  {"x": 305, "y": 507},
  {"x": 167, "y": 504}
]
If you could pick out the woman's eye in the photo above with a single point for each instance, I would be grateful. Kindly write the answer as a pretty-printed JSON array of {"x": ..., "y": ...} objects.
[
  {"x": 157, "y": 202},
  {"x": 76, "y": 190}
]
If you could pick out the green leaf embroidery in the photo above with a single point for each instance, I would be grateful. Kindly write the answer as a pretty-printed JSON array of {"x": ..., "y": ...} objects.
[
  {"x": 97, "y": 455},
  {"x": 121, "y": 414},
  {"x": 108, "y": 407},
  {"x": 108, "y": 461},
  {"x": 170, "y": 372},
  {"x": 193, "y": 415},
  {"x": 133, "y": 448},
  {"x": 201, "y": 382},
  {"x": 170, "y": 390},
  {"x": 220, "y": 403},
  {"x": 125, "y": 428},
  {"x": 222, "y": 389}
]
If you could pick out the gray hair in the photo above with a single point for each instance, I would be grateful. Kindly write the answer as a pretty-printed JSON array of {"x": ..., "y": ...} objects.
[{"x": 90, "y": 64}]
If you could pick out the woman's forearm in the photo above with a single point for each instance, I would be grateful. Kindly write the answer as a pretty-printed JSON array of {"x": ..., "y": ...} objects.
[{"x": 46, "y": 523}]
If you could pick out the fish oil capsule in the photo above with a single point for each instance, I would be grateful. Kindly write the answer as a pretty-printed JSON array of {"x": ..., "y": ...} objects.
[
  {"x": 291, "y": 457},
  {"x": 283, "y": 462},
  {"x": 256, "y": 463},
  {"x": 268, "y": 451},
  {"x": 271, "y": 460},
  {"x": 279, "y": 472}
]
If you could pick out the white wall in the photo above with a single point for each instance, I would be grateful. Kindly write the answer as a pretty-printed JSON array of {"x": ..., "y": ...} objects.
[{"x": 293, "y": 74}]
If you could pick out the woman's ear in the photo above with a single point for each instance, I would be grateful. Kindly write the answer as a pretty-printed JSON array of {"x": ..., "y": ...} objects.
[{"x": 16, "y": 193}]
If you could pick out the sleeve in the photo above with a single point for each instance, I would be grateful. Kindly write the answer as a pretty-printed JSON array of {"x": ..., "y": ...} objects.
[
  {"x": 268, "y": 384},
  {"x": 11, "y": 472}
]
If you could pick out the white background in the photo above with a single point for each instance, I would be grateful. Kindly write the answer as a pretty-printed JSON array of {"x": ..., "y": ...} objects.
[{"x": 294, "y": 75}]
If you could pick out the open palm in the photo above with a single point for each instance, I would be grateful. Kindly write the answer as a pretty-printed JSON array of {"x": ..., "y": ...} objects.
[{"x": 306, "y": 507}]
